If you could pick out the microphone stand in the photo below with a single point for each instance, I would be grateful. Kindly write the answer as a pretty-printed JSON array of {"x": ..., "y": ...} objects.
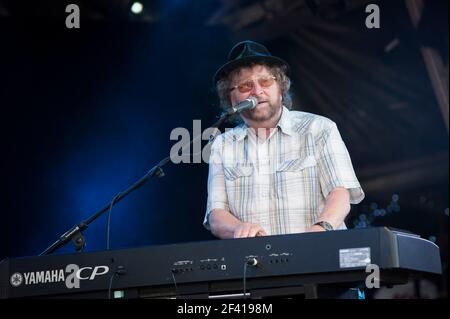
[{"x": 75, "y": 234}]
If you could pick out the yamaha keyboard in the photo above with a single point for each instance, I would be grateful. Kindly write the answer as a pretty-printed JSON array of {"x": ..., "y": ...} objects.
[{"x": 267, "y": 266}]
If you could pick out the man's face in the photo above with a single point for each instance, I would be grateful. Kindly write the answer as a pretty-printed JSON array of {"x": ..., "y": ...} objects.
[{"x": 269, "y": 96}]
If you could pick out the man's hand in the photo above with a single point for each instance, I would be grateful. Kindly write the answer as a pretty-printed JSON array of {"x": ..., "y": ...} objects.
[
  {"x": 248, "y": 230},
  {"x": 225, "y": 225}
]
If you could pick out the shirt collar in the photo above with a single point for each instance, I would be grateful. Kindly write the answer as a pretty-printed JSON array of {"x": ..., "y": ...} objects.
[{"x": 285, "y": 122}]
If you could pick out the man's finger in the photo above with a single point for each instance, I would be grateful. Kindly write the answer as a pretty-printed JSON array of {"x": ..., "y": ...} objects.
[
  {"x": 242, "y": 232},
  {"x": 254, "y": 231},
  {"x": 238, "y": 233},
  {"x": 261, "y": 232},
  {"x": 246, "y": 232}
]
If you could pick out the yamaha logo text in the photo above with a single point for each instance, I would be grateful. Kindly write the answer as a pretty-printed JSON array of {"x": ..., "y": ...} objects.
[{"x": 72, "y": 275}]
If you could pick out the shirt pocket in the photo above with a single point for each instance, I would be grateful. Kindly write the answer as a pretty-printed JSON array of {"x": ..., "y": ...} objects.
[
  {"x": 297, "y": 164},
  {"x": 234, "y": 173},
  {"x": 296, "y": 181}
]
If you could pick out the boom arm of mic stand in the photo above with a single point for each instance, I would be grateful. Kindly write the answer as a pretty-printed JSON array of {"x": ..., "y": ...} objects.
[{"x": 75, "y": 233}]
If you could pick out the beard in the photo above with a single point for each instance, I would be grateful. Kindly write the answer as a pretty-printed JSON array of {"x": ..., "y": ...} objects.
[{"x": 262, "y": 112}]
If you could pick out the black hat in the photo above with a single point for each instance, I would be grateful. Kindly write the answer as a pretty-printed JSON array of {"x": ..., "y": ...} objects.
[{"x": 244, "y": 53}]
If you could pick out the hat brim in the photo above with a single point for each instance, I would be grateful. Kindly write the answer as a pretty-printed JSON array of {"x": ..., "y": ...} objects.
[{"x": 230, "y": 66}]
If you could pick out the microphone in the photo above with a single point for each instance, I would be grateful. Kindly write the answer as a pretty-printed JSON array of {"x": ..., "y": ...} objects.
[{"x": 247, "y": 104}]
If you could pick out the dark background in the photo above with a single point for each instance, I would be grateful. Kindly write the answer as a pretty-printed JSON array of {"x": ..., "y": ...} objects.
[{"x": 86, "y": 112}]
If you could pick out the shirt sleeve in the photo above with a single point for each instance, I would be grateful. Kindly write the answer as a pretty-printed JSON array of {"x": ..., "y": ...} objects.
[
  {"x": 217, "y": 196},
  {"x": 335, "y": 166}
]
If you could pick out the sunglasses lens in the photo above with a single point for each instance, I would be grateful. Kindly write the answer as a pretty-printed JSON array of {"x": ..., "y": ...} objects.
[
  {"x": 265, "y": 82},
  {"x": 245, "y": 87}
]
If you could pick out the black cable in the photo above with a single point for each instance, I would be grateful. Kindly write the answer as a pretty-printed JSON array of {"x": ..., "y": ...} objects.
[
  {"x": 119, "y": 271},
  {"x": 249, "y": 262},
  {"x": 110, "y": 284},
  {"x": 245, "y": 277},
  {"x": 175, "y": 283}
]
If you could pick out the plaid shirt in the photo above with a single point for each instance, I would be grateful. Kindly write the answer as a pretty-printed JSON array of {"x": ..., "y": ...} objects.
[{"x": 280, "y": 183}]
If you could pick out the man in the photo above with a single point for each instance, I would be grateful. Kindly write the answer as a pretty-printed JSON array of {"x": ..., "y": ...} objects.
[{"x": 280, "y": 171}]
